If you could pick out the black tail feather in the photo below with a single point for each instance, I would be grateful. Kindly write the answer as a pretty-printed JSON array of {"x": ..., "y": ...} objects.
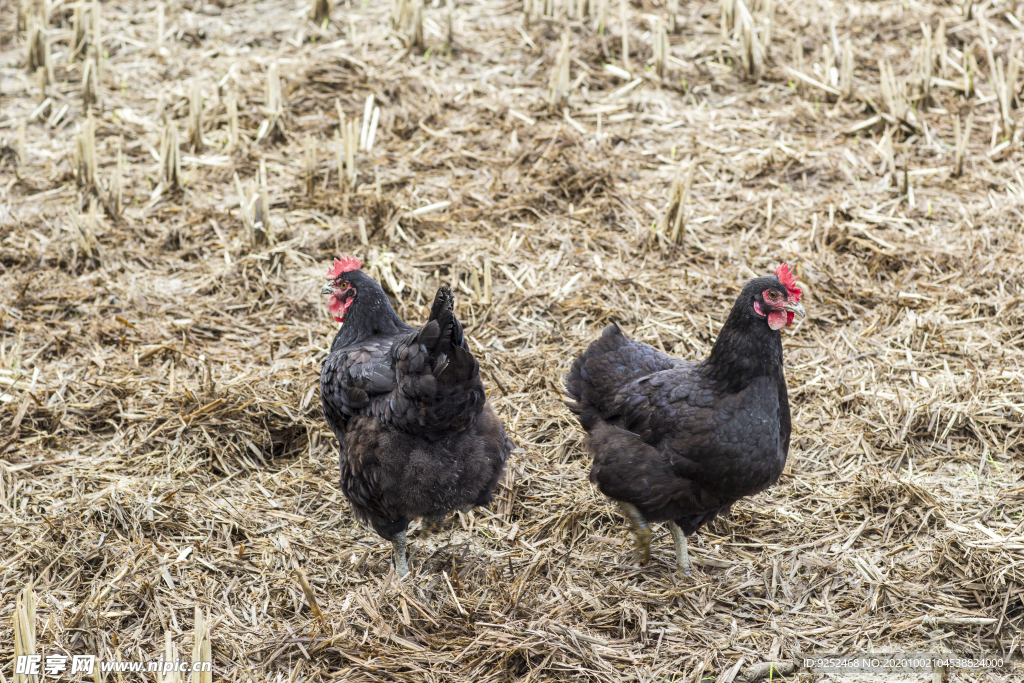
[
  {"x": 444, "y": 300},
  {"x": 577, "y": 382},
  {"x": 437, "y": 373}
]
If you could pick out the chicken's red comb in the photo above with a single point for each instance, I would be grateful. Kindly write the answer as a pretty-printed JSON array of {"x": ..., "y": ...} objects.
[
  {"x": 788, "y": 279},
  {"x": 345, "y": 265}
]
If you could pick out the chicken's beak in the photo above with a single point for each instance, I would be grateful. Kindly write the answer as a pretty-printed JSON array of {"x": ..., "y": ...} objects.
[
  {"x": 327, "y": 289},
  {"x": 794, "y": 307}
]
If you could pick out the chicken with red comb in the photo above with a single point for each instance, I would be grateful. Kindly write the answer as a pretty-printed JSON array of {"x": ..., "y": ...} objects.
[
  {"x": 417, "y": 437},
  {"x": 680, "y": 442}
]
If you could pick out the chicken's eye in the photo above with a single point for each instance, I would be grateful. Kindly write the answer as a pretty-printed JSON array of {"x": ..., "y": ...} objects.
[
  {"x": 774, "y": 295},
  {"x": 344, "y": 286}
]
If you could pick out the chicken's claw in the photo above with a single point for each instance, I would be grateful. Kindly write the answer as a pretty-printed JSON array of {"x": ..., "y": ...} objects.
[
  {"x": 432, "y": 525},
  {"x": 641, "y": 531}
]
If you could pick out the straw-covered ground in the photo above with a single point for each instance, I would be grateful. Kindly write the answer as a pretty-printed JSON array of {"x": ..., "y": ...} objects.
[{"x": 161, "y": 441}]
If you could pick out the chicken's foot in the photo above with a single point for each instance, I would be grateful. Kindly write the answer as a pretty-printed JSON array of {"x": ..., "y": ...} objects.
[
  {"x": 641, "y": 531},
  {"x": 432, "y": 525},
  {"x": 398, "y": 553},
  {"x": 682, "y": 556}
]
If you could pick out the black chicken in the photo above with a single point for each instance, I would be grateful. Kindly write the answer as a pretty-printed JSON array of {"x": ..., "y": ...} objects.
[
  {"x": 418, "y": 438},
  {"x": 679, "y": 441}
]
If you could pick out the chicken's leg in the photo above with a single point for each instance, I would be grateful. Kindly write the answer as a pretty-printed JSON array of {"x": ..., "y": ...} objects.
[
  {"x": 398, "y": 552},
  {"x": 641, "y": 531},
  {"x": 682, "y": 557}
]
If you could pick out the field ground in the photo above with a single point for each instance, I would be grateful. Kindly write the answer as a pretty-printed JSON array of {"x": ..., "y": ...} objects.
[{"x": 160, "y": 431}]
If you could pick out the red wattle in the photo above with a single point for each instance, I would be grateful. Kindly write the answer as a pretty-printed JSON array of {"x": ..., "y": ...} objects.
[
  {"x": 337, "y": 309},
  {"x": 778, "y": 319}
]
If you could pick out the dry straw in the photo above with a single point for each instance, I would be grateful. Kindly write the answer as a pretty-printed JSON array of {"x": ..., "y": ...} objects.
[
  {"x": 158, "y": 43},
  {"x": 798, "y": 62},
  {"x": 888, "y": 155},
  {"x": 24, "y": 10},
  {"x": 195, "y": 117},
  {"x": 22, "y": 145},
  {"x": 310, "y": 156},
  {"x": 727, "y": 17},
  {"x": 162, "y": 446},
  {"x": 347, "y": 142},
  {"x": 85, "y": 230},
  {"x": 371, "y": 132},
  {"x": 846, "y": 71},
  {"x": 363, "y": 237},
  {"x": 233, "y": 133},
  {"x": 601, "y": 16},
  {"x": 263, "y": 233},
  {"x": 170, "y": 654},
  {"x": 113, "y": 199},
  {"x": 370, "y": 119},
  {"x": 752, "y": 52},
  {"x": 85, "y": 154},
  {"x": 660, "y": 48},
  {"x": 962, "y": 139},
  {"x": 672, "y": 16},
  {"x": 39, "y": 58},
  {"x": 400, "y": 11},
  {"x": 624, "y": 27},
  {"x": 407, "y": 20},
  {"x": 940, "y": 44},
  {"x": 969, "y": 70},
  {"x": 558, "y": 88},
  {"x": 736, "y": 22},
  {"x": 91, "y": 80},
  {"x": 1004, "y": 95},
  {"x": 96, "y": 26},
  {"x": 450, "y": 33},
  {"x": 893, "y": 92},
  {"x": 415, "y": 32},
  {"x": 307, "y": 590},
  {"x": 1015, "y": 88},
  {"x": 926, "y": 58},
  {"x": 202, "y": 649},
  {"x": 86, "y": 33},
  {"x": 273, "y": 125},
  {"x": 256, "y": 209},
  {"x": 320, "y": 12},
  {"x": 79, "y": 31},
  {"x": 24, "y": 619},
  {"x": 679, "y": 197},
  {"x": 170, "y": 157},
  {"x": 529, "y": 12},
  {"x": 768, "y": 29}
]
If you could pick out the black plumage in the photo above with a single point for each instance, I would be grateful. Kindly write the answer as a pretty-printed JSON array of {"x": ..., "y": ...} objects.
[
  {"x": 418, "y": 438},
  {"x": 680, "y": 442}
]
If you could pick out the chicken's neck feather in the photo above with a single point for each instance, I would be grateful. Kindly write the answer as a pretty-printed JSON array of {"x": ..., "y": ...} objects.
[{"x": 746, "y": 349}]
